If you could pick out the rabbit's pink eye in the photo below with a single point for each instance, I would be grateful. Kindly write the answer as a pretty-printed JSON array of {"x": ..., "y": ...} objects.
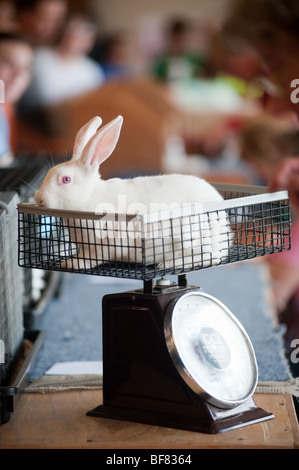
[{"x": 66, "y": 179}]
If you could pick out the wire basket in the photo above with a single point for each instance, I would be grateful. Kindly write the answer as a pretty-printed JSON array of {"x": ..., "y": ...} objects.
[{"x": 249, "y": 222}]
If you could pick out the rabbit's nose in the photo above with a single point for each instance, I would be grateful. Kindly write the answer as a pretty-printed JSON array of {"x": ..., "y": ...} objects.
[{"x": 39, "y": 199}]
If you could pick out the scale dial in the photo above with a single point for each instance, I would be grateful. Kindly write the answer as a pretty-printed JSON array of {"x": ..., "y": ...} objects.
[{"x": 210, "y": 349}]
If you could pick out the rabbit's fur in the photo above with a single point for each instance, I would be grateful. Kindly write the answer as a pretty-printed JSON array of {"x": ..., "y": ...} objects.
[{"x": 200, "y": 240}]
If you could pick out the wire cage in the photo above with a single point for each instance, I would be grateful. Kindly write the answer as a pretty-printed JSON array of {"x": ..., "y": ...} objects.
[
  {"x": 249, "y": 222},
  {"x": 11, "y": 285},
  {"x": 23, "y": 178}
]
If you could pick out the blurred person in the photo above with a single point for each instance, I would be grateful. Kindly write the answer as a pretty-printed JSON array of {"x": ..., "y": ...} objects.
[
  {"x": 16, "y": 57},
  {"x": 265, "y": 141},
  {"x": 287, "y": 176},
  {"x": 240, "y": 70},
  {"x": 114, "y": 53},
  {"x": 63, "y": 71},
  {"x": 7, "y": 16},
  {"x": 271, "y": 28},
  {"x": 179, "y": 61},
  {"x": 284, "y": 267},
  {"x": 40, "y": 21}
]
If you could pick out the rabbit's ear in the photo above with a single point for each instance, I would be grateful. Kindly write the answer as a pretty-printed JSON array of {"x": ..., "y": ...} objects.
[
  {"x": 102, "y": 144},
  {"x": 84, "y": 135}
]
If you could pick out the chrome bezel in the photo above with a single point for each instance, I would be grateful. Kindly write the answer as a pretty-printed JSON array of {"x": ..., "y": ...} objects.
[{"x": 184, "y": 370}]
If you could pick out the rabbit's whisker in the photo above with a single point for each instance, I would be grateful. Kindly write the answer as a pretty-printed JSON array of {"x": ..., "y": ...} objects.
[{"x": 30, "y": 185}]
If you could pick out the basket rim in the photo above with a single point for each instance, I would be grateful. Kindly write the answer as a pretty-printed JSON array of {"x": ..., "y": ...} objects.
[{"x": 254, "y": 195}]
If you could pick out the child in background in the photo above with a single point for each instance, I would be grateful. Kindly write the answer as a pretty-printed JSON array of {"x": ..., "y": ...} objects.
[
  {"x": 179, "y": 61},
  {"x": 266, "y": 143},
  {"x": 40, "y": 21},
  {"x": 16, "y": 57},
  {"x": 64, "y": 70}
]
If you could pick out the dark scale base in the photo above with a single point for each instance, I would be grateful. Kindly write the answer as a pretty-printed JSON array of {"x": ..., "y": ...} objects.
[
  {"x": 140, "y": 380},
  {"x": 217, "y": 424}
]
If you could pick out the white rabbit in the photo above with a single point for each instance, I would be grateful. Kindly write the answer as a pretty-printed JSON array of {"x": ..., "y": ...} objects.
[{"x": 201, "y": 239}]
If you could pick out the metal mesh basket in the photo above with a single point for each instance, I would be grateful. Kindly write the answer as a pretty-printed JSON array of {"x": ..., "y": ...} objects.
[
  {"x": 249, "y": 222},
  {"x": 11, "y": 285}
]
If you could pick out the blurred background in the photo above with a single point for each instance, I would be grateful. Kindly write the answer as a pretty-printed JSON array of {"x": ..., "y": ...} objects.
[{"x": 185, "y": 96}]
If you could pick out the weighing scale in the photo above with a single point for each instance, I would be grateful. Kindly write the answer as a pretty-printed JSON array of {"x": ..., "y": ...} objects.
[{"x": 173, "y": 355}]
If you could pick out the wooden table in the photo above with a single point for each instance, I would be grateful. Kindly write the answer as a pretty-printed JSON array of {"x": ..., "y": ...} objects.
[{"x": 58, "y": 420}]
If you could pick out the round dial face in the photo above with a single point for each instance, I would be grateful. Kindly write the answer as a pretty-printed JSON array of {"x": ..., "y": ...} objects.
[{"x": 211, "y": 349}]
